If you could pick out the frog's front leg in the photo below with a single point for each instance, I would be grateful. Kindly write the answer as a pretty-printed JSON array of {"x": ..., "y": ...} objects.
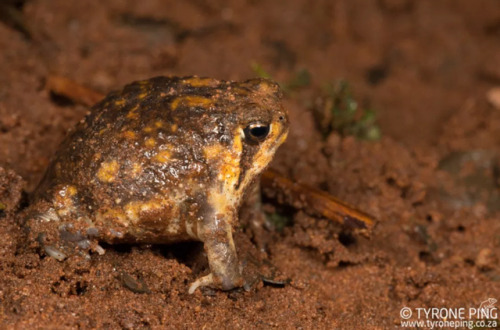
[{"x": 217, "y": 237}]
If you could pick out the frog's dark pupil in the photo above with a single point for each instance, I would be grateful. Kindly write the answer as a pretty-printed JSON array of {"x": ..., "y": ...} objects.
[{"x": 257, "y": 133}]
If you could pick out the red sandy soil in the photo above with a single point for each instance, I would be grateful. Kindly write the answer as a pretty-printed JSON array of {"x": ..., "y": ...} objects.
[{"x": 432, "y": 180}]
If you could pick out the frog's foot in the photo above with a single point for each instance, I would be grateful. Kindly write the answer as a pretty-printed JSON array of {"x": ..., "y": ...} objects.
[
  {"x": 61, "y": 253},
  {"x": 212, "y": 281},
  {"x": 225, "y": 272},
  {"x": 83, "y": 240},
  {"x": 207, "y": 280},
  {"x": 61, "y": 241},
  {"x": 50, "y": 248}
]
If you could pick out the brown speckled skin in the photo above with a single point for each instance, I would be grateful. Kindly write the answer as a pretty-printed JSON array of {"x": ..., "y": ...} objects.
[{"x": 164, "y": 160}]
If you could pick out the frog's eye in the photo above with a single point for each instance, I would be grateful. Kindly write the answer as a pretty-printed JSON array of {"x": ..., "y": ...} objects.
[{"x": 257, "y": 132}]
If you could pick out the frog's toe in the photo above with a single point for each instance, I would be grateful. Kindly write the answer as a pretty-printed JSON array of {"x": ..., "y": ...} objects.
[
  {"x": 225, "y": 283},
  {"x": 54, "y": 253},
  {"x": 99, "y": 249},
  {"x": 207, "y": 280},
  {"x": 83, "y": 244}
]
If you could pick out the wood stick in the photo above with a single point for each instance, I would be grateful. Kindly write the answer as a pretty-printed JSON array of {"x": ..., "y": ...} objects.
[
  {"x": 73, "y": 91},
  {"x": 315, "y": 202}
]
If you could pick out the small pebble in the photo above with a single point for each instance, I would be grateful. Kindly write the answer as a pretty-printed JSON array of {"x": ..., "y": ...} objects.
[
  {"x": 493, "y": 96},
  {"x": 486, "y": 259}
]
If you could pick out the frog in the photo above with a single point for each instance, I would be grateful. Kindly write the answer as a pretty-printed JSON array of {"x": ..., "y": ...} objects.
[{"x": 163, "y": 160}]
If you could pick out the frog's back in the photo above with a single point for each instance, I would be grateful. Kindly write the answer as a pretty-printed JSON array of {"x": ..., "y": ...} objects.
[{"x": 127, "y": 129}]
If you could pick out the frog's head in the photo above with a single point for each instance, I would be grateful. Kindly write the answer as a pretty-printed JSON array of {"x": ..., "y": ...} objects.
[
  {"x": 240, "y": 124},
  {"x": 262, "y": 126}
]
